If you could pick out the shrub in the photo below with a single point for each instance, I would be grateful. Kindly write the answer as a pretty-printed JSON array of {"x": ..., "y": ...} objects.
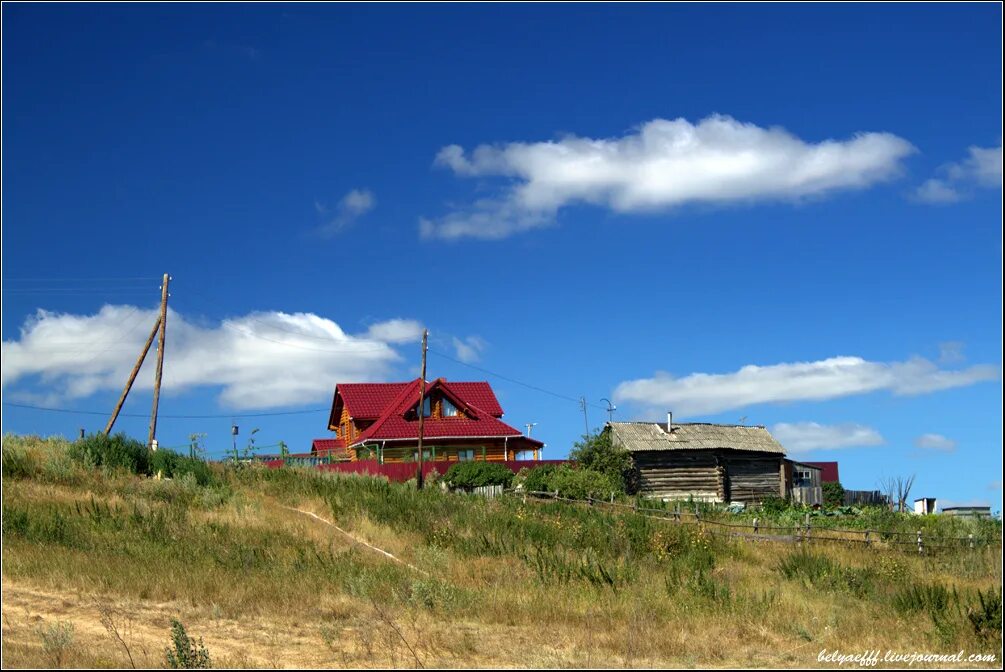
[
  {"x": 469, "y": 475},
  {"x": 596, "y": 453},
  {"x": 582, "y": 483},
  {"x": 187, "y": 654},
  {"x": 537, "y": 479},
  {"x": 986, "y": 619},
  {"x": 175, "y": 465},
  {"x": 833, "y": 494},
  {"x": 111, "y": 452},
  {"x": 56, "y": 640},
  {"x": 773, "y": 505}
]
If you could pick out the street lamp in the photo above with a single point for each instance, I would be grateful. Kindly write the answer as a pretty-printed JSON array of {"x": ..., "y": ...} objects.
[{"x": 610, "y": 410}]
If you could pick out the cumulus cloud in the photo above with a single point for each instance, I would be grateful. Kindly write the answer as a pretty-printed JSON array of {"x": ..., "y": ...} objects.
[
  {"x": 468, "y": 350},
  {"x": 661, "y": 165},
  {"x": 259, "y": 360},
  {"x": 707, "y": 393},
  {"x": 935, "y": 442},
  {"x": 981, "y": 168},
  {"x": 802, "y": 437},
  {"x": 351, "y": 207}
]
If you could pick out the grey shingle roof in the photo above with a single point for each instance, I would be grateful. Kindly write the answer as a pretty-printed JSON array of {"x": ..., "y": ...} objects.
[{"x": 639, "y": 436}]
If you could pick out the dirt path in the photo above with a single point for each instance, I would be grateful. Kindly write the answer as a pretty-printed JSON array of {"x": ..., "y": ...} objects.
[{"x": 357, "y": 540}]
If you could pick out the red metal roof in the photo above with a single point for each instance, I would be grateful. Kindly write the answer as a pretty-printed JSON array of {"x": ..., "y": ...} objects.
[
  {"x": 366, "y": 401},
  {"x": 828, "y": 471},
  {"x": 476, "y": 398},
  {"x": 478, "y": 394},
  {"x": 326, "y": 446}
]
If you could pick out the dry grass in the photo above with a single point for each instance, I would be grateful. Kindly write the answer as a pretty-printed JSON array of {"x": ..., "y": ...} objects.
[{"x": 264, "y": 586}]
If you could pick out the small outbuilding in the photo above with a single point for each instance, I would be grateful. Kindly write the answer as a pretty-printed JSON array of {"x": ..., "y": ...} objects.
[{"x": 703, "y": 461}]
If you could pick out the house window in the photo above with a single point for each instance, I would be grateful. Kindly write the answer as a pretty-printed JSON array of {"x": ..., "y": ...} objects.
[
  {"x": 427, "y": 407},
  {"x": 448, "y": 409},
  {"x": 466, "y": 455}
]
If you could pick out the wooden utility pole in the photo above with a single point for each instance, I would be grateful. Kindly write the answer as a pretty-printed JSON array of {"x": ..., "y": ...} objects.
[
  {"x": 422, "y": 410},
  {"x": 162, "y": 322},
  {"x": 132, "y": 376}
]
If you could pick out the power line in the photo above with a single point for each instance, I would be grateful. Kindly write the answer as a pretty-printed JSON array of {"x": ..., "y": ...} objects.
[
  {"x": 176, "y": 417},
  {"x": 577, "y": 401}
]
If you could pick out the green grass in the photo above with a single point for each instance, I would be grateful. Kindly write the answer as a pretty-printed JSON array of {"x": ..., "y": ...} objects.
[{"x": 601, "y": 585}]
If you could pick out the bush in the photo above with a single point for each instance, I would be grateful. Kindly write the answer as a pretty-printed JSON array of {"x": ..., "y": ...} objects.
[
  {"x": 175, "y": 465},
  {"x": 468, "y": 475},
  {"x": 833, "y": 494},
  {"x": 111, "y": 452},
  {"x": 187, "y": 654},
  {"x": 772, "y": 505},
  {"x": 582, "y": 483},
  {"x": 597, "y": 453},
  {"x": 537, "y": 479}
]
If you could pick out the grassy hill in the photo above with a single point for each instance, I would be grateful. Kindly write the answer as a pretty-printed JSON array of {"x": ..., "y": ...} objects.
[{"x": 98, "y": 561}]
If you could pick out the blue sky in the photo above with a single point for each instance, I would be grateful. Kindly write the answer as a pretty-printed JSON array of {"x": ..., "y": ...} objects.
[{"x": 789, "y": 215}]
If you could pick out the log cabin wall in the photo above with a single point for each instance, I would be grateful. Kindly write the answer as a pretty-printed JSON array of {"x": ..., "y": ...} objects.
[
  {"x": 751, "y": 477},
  {"x": 680, "y": 474},
  {"x": 712, "y": 475}
]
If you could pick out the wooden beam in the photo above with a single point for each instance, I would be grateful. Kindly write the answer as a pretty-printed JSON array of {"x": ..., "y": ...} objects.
[
  {"x": 132, "y": 376},
  {"x": 160, "y": 361}
]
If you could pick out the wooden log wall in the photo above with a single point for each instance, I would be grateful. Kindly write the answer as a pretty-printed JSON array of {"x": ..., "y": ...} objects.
[
  {"x": 723, "y": 475},
  {"x": 751, "y": 477},
  {"x": 680, "y": 473}
]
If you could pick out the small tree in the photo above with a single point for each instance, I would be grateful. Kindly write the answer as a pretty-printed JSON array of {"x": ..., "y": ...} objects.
[
  {"x": 596, "y": 452},
  {"x": 187, "y": 654},
  {"x": 833, "y": 494}
]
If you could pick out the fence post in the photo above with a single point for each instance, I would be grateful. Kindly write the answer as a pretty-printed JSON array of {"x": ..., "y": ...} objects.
[
  {"x": 867, "y": 542},
  {"x": 921, "y": 548},
  {"x": 676, "y": 511},
  {"x": 807, "y": 526},
  {"x": 755, "y": 525},
  {"x": 556, "y": 495},
  {"x": 971, "y": 541},
  {"x": 612, "y": 497}
]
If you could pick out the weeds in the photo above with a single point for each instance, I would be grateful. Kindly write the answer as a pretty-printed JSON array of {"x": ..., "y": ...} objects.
[
  {"x": 56, "y": 638},
  {"x": 185, "y": 653}
]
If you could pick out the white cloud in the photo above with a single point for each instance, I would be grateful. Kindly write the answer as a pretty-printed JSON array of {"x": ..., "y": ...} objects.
[
  {"x": 705, "y": 393},
  {"x": 983, "y": 167},
  {"x": 951, "y": 352},
  {"x": 396, "y": 331},
  {"x": 937, "y": 191},
  {"x": 352, "y": 206},
  {"x": 661, "y": 165},
  {"x": 801, "y": 437},
  {"x": 260, "y": 360},
  {"x": 469, "y": 349},
  {"x": 935, "y": 442}
]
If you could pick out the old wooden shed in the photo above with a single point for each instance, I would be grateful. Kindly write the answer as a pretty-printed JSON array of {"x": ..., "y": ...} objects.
[{"x": 704, "y": 461}]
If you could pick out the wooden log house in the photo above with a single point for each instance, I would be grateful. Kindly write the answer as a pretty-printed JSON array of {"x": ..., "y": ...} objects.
[
  {"x": 463, "y": 422},
  {"x": 703, "y": 461}
]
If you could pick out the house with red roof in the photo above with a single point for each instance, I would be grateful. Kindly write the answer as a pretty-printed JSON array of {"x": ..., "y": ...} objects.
[{"x": 462, "y": 421}]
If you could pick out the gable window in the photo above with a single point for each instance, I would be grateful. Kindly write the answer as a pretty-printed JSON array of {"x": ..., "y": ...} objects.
[{"x": 448, "y": 409}]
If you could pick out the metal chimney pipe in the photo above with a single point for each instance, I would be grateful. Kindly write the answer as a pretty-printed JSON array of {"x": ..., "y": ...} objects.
[{"x": 670, "y": 422}]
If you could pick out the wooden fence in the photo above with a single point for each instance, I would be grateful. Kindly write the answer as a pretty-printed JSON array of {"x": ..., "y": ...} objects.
[
  {"x": 804, "y": 532},
  {"x": 397, "y": 472}
]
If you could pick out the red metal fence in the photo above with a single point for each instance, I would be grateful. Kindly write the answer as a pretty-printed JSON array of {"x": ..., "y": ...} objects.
[{"x": 401, "y": 471}]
